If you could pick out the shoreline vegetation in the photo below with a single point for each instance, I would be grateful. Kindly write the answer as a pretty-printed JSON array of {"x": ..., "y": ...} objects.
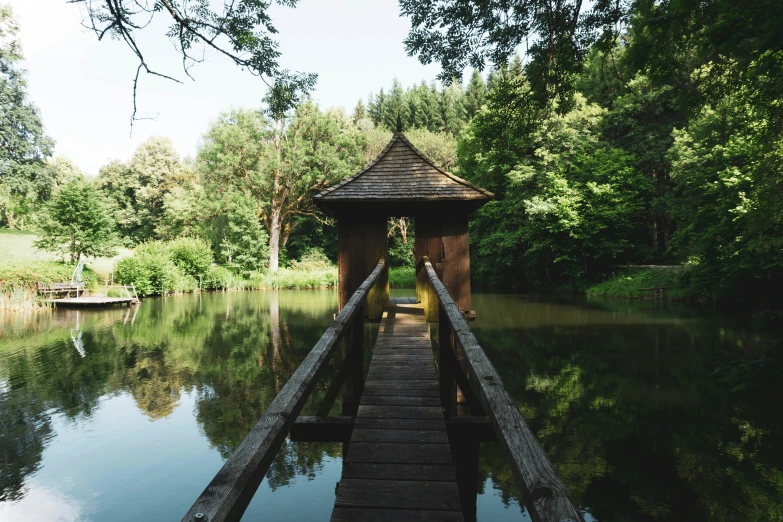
[
  {"x": 170, "y": 268},
  {"x": 184, "y": 266},
  {"x": 627, "y": 282}
]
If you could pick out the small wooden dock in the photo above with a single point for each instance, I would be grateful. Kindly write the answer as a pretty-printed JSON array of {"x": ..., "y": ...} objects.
[
  {"x": 91, "y": 301},
  {"x": 398, "y": 464}
]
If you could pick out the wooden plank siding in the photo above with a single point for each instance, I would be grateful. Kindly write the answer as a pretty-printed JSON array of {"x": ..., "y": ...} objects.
[{"x": 398, "y": 463}]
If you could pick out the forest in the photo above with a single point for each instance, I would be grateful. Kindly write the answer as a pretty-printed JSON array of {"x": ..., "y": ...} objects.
[{"x": 660, "y": 143}]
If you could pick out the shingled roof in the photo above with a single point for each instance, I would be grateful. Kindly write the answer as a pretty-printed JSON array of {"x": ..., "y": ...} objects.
[{"x": 402, "y": 174}]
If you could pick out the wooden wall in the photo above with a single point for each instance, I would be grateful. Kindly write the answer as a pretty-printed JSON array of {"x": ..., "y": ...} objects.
[
  {"x": 361, "y": 244},
  {"x": 444, "y": 240}
]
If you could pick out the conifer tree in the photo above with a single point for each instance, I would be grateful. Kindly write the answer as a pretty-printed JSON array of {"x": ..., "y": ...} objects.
[
  {"x": 396, "y": 107},
  {"x": 430, "y": 108},
  {"x": 475, "y": 96},
  {"x": 360, "y": 112},
  {"x": 451, "y": 108},
  {"x": 377, "y": 107}
]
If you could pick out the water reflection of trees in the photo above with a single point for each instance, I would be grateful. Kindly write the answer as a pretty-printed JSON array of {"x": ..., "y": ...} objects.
[
  {"x": 636, "y": 426},
  {"x": 218, "y": 346}
]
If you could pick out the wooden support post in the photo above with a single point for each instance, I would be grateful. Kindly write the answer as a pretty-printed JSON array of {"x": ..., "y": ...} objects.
[
  {"x": 465, "y": 450},
  {"x": 429, "y": 243},
  {"x": 360, "y": 245}
]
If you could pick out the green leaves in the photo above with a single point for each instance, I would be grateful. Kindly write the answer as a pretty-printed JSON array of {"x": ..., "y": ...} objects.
[
  {"x": 77, "y": 222},
  {"x": 240, "y": 32}
]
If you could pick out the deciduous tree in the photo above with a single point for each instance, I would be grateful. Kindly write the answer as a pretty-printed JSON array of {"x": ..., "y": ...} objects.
[
  {"x": 77, "y": 222},
  {"x": 280, "y": 163}
]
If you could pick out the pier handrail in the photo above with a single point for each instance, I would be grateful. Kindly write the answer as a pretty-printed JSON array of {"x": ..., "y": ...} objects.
[
  {"x": 544, "y": 493},
  {"x": 230, "y": 491}
]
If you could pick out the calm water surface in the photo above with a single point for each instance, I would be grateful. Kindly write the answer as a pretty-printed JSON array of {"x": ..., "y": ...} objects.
[{"x": 125, "y": 415}]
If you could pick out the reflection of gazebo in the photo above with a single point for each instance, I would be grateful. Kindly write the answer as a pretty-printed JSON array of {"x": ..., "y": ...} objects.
[{"x": 402, "y": 181}]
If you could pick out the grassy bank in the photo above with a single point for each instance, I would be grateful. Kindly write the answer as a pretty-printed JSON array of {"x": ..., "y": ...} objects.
[
  {"x": 19, "y": 282},
  {"x": 17, "y": 245},
  {"x": 292, "y": 279},
  {"x": 402, "y": 277},
  {"x": 626, "y": 284}
]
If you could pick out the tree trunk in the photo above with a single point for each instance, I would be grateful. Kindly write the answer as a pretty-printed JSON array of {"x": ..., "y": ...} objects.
[{"x": 274, "y": 240}]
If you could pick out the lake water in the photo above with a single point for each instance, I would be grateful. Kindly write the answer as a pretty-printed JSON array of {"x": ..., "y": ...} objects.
[{"x": 126, "y": 414}]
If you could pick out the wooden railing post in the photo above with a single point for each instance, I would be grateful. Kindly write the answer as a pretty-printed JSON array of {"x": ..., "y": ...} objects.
[
  {"x": 448, "y": 391},
  {"x": 353, "y": 355}
]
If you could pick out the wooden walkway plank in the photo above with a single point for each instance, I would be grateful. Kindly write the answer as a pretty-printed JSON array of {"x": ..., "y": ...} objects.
[
  {"x": 398, "y": 464},
  {"x": 399, "y": 424},
  {"x": 393, "y": 515},
  {"x": 398, "y": 494}
]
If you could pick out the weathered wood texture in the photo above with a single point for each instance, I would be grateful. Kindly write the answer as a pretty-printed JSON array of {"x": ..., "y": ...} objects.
[
  {"x": 401, "y": 173},
  {"x": 545, "y": 494},
  {"x": 399, "y": 462},
  {"x": 230, "y": 491},
  {"x": 322, "y": 429},
  {"x": 443, "y": 239},
  {"x": 361, "y": 242}
]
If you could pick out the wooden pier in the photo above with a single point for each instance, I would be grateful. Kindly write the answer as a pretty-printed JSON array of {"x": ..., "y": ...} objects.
[
  {"x": 398, "y": 463},
  {"x": 411, "y": 430},
  {"x": 91, "y": 301},
  {"x": 407, "y": 456}
]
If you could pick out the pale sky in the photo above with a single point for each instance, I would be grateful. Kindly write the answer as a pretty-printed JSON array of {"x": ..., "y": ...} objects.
[{"x": 84, "y": 87}]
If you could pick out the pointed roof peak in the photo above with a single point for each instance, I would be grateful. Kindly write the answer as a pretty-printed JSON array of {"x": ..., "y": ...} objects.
[{"x": 402, "y": 173}]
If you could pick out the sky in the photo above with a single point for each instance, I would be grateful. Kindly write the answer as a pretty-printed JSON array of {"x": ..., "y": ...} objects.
[{"x": 84, "y": 87}]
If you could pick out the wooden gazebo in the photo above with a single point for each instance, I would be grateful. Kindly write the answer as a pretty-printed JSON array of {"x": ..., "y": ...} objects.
[{"x": 402, "y": 181}]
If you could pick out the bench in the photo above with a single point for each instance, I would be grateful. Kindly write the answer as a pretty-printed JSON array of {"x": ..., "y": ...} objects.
[{"x": 58, "y": 289}]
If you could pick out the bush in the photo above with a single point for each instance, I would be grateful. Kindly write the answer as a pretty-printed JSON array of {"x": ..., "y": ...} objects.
[
  {"x": 192, "y": 256},
  {"x": 152, "y": 273},
  {"x": 19, "y": 282},
  {"x": 221, "y": 278},
  {"x": 293, "y": 279},
  {"x": 312, "y": 261},
  {"x": 159, "y": 267},
  {"x": 626, "y": 284},
  {"x": 27, "y": 275},
  {"x": 402, "y": 277}
]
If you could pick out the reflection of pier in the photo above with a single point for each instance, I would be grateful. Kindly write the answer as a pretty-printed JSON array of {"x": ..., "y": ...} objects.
[{"x": 76, "y": 337}]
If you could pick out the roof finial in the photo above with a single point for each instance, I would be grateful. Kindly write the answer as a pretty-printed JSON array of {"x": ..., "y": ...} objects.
[{"x": 399, "y": 123}]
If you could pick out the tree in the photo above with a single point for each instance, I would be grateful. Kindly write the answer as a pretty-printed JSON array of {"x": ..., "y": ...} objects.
[
  {"x": 25, "y": 179},
  {"x": 360, "y": 112},
  {"x": 77, "y": 222},
  {"x": 244, "y": 242},
  {"x": 280, "y": 163},
  {"x": 440, "y": 147},
  {"x": 452, "y": 111},
  {"x": 458, "y": 34},
  {"x": 567, "y": 203},
  {"x": 139, "y": 188},
  {"x": 729, "y": 209},
  {"x": 378, "y": 107},
  {"x": 395, "y": 107},
  {"x": 475, "y": 95},
  {"x": 241, "y": 33}
]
